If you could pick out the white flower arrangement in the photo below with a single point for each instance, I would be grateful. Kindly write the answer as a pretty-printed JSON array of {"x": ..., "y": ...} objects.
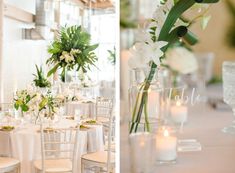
[
  {"x": 167, "y": 28},
  {"x": 181, "y": 60},
  {"x": 30, "y": 101}
]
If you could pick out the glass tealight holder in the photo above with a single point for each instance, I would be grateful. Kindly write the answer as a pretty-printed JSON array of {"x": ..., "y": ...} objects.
[
  {"x": 141, "y": 152},
  {"x": 179, "y": 113},
  {"x": 166, "y": 145}
]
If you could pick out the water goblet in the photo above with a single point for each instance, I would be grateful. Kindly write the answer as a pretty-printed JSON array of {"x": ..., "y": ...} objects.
[{"x": 229, "y": 91}]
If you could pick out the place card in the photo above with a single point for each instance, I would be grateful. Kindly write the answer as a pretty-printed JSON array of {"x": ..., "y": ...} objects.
[{"x": 188, "y": 145}]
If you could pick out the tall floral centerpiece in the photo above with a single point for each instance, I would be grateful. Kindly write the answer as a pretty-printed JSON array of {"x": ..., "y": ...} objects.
[
  {"x": 71, "y": 51},
  {"x": 167, "y": 27}
]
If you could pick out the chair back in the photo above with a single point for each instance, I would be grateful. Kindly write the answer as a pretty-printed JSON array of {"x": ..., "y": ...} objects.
[
  {"x": 104, "y": 108},
  {"x": 110, "y": 138},
  {"x": 59, "y": 143}
]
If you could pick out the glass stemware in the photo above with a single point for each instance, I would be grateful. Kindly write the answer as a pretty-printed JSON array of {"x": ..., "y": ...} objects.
[{"x": 229, "y": 91}]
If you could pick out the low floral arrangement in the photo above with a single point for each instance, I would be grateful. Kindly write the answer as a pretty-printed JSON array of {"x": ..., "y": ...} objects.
[
  {"x": 29, "y": 101},
  {"x": 167, "y": 28},
  {"x": 40, "y": 79},
  {"x": 71, "y": 51},
  {"x": 23, "y": 100}
]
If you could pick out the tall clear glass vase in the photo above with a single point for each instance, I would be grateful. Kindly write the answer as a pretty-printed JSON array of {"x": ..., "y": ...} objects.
[{"x": 146, "y": 100}]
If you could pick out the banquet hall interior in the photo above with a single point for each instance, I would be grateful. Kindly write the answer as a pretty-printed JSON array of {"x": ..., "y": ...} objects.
[
  {"x": 180, "y": 118},
  {"x": 57, "y": 85}
]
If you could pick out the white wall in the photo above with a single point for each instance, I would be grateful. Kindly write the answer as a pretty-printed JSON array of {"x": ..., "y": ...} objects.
[
  {"x": 19, "y": 58},
  {"x": 27, "y": 5}
]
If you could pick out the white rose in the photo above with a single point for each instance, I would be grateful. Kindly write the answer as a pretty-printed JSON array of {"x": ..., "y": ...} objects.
[{"x": 181, "y": 60}]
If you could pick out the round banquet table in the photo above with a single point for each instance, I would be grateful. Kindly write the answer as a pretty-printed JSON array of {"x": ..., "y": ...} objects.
[
  {"x": 24, "y": 143},
  {"x": 205, "y": 124},
  {"x": 85, "y": 108}
]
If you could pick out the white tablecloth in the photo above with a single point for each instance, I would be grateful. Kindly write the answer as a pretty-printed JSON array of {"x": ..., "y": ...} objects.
[
  {"x": 84, "y": 108},
  {"x": 205, "y": 124},
  {"x": 24, "y": 143}
]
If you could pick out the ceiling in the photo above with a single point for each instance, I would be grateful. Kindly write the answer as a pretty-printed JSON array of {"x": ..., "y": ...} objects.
[{"x": 99, "y": 4}]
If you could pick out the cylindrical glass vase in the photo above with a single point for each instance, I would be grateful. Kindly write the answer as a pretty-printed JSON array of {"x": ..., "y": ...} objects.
[{"x": 145, "y": 100}]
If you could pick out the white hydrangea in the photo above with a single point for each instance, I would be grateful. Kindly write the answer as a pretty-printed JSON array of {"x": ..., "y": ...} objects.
[{"x": 181, "y": 60}]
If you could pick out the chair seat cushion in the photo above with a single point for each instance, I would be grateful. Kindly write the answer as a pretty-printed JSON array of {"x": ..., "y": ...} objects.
[
  {"x": 99, "y": 157},
  {"x": 62, "y": 165},
  {"x": 6, "y": 162}
]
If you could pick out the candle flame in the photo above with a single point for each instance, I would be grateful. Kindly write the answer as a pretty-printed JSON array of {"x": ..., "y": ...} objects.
[
  {"x": 178, "y": 103},
  {"x": 166, "y": 133},
  {"x": 142, "y": 143}
]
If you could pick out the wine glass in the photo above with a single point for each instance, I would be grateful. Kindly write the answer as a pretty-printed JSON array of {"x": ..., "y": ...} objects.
[{"x": 229, "y": 91}]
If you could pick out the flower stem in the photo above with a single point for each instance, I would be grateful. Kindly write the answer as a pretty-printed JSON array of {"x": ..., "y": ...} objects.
[
  {"x": 139, "y": 110},
  {"x": 146, "y": 114}
]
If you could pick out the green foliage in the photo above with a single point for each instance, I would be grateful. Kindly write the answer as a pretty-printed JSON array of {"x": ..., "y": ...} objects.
[
  {"x": 125, "y": 14},
  {"x": 230, "y": 36},
  {"x": 48, "y": 102},
  {"x": 215, "y": 80},
  {"x": 112, "y": 56},
  {"x": 72, "y": 50},
  {"x": 40, "y": 79},
  {"x": 22, "y": 99}
]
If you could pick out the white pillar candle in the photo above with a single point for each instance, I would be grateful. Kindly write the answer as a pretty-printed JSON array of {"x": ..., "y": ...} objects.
[
  {"x": 166, "y": 147},
  {"x": 179, "y": 113}
]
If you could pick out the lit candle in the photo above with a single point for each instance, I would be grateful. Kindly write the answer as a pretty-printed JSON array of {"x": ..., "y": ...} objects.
[
  {"x": 179, "y": 113},
  {"x": 166, "y": 146}
]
